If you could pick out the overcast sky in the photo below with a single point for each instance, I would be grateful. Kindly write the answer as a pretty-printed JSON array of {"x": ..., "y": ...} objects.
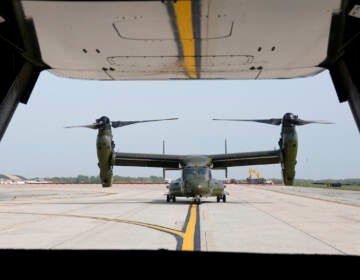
[{"x": 36, "y": 144}]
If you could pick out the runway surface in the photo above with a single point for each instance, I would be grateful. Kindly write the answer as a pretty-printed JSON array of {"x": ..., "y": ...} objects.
[{"x": 254, "y": 219}]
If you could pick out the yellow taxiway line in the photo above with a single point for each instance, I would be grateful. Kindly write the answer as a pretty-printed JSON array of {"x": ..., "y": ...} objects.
[{"x": 187, "y": 236}]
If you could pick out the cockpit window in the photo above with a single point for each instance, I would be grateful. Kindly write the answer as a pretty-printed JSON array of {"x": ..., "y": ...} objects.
[
  {"x": 196, "y": 172},
  {"x": 203, "y": 171}
]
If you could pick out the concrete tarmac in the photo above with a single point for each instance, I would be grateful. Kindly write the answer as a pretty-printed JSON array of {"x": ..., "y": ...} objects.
[{"x": 254, "y": 219}]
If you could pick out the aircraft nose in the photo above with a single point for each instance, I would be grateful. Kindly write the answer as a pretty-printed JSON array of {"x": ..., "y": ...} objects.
[{"x": 196, "y": 184}]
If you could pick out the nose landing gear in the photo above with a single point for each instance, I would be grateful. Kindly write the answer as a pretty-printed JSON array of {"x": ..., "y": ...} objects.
[
  {"x": 197, "y": 199},
  {"x": 219, "y": 197}
]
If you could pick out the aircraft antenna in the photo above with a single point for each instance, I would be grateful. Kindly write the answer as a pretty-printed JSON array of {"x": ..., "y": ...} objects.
[
  {"x": 163, "y": 146},
  {"x": 226, "y": 170}
]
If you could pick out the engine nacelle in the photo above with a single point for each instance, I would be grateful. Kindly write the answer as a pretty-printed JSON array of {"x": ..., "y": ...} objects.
[
  {"x": 288, "y": 145},
  {"x": 105, "y": 153}
]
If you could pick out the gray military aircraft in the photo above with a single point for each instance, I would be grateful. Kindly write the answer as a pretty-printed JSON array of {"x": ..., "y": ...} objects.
[{"x": 196, "y": 180}]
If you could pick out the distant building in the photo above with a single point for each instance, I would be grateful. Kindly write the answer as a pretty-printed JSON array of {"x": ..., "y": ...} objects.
[{"x": 11, "y": 179}]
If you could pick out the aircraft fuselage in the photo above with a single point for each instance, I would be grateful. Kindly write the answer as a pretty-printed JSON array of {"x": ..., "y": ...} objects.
[{"x": 196, "y": 182}]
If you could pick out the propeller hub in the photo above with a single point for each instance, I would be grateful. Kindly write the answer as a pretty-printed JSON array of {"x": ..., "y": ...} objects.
[
  {"x": 289, "y": 120},
  {"x": 103, "y": 122}
]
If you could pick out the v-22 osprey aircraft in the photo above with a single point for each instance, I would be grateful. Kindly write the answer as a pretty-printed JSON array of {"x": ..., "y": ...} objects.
[{"x": 196, "y": 179}]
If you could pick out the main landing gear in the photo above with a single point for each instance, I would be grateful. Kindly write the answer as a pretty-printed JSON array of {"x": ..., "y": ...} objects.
[
  {"x": 219, "y": 197},
  {"x": 170, "y": 197}
]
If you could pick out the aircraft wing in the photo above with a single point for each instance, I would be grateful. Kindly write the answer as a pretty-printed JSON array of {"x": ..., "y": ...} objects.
[
  {"x": 216, "y": 160},
  {"x": 184, "y": 39},
  {"x": 148, "y": 160},
  {"x": 242, "y": 159}
]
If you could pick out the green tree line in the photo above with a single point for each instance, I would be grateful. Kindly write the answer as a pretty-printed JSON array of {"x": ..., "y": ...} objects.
[
  {"x": 156, "y": 179},
  {"x": 96, "y": 179}
]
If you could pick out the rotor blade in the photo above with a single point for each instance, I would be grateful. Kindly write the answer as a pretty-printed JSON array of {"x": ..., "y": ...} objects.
[
  {"x": 267, "y": 121},
  {"x": 92, "y": 126},
  {"x": 303, "y": 122},
  {"x": 124, "y": 123}
]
